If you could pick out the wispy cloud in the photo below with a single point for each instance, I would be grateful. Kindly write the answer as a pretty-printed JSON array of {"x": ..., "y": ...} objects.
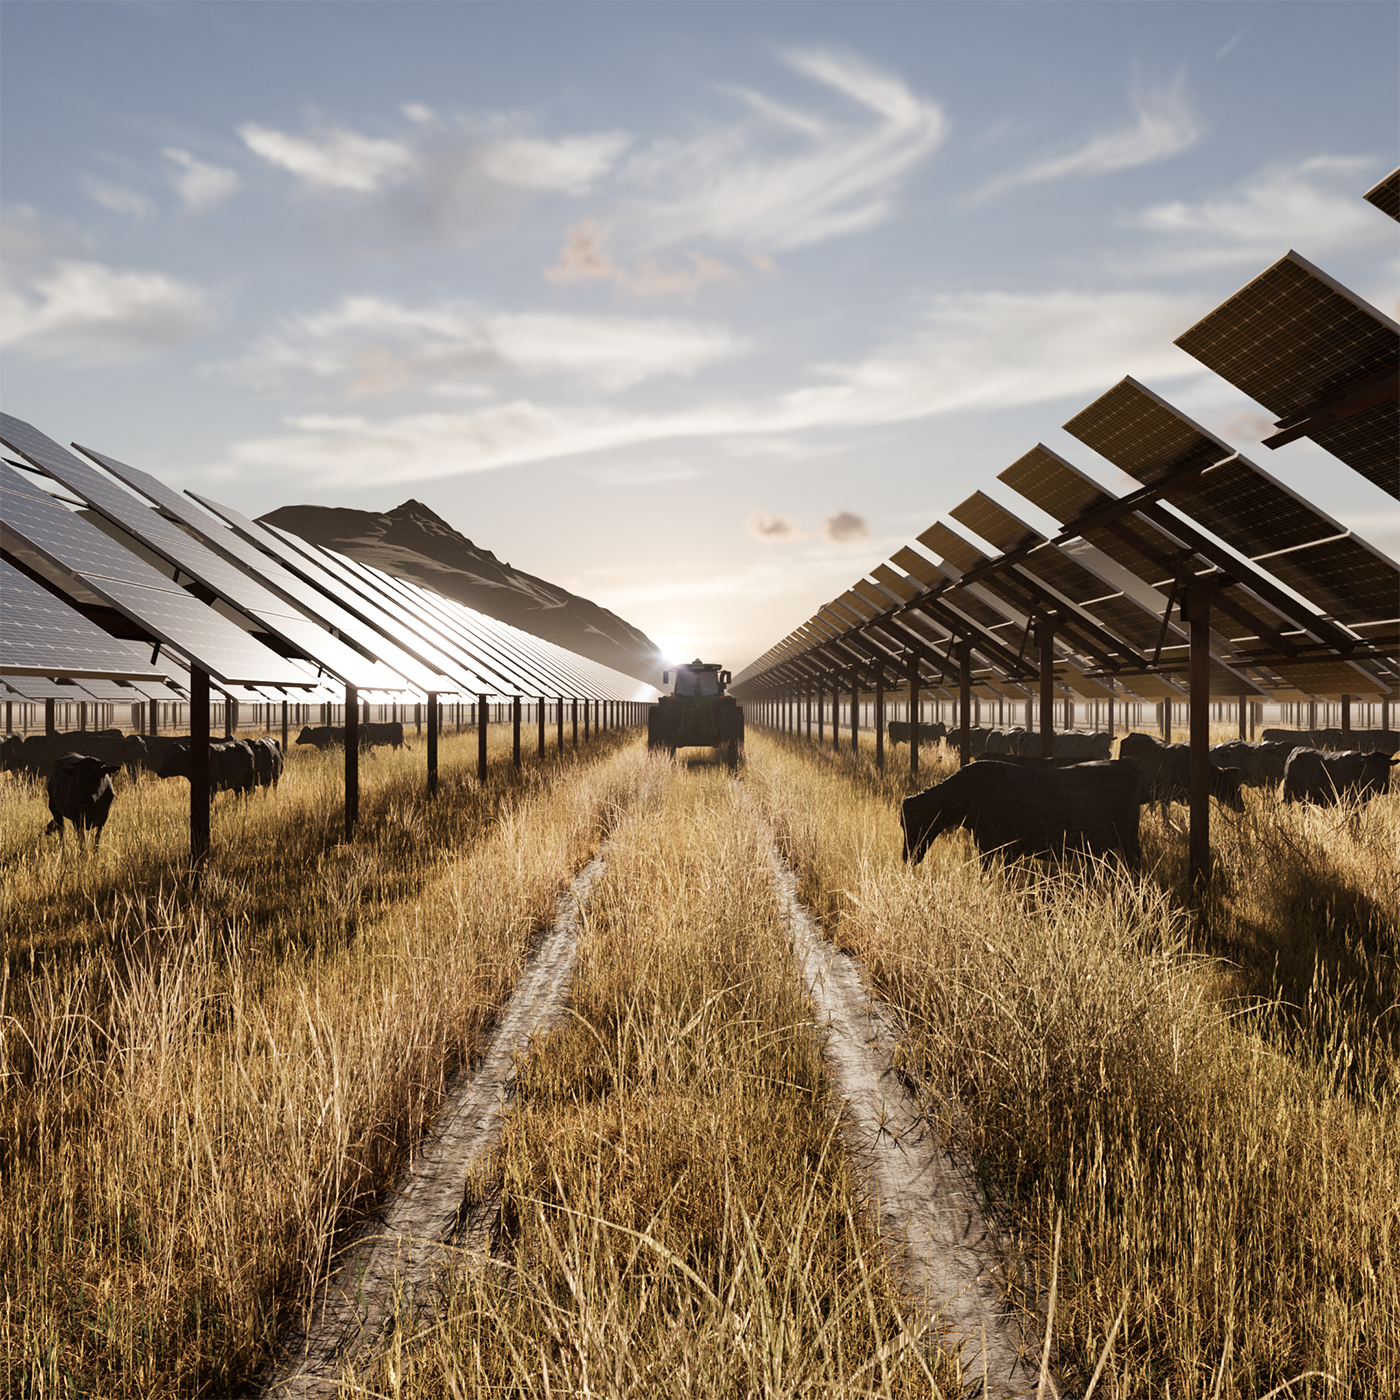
[
  {"x": 131, "y": 204},
  {"x": 87, "y": 310},
  {"x": 335, "y": 159},
  {"x": 772, "y": 529},
  {"x": 374, "y": 345},
  {"x": 1229, "y": 44},
  {"x": 1311, "y": 206},
  {"x": 572, "y": 165},
  {"x": 200, "y": 185},
  {"x": 583, "y": 259},
  {"x": 786, "y": 177},
  {"x": 845, "y": 527},
  {"x": 969, "y": 351},
  {"x": 1163, "y": 125}
]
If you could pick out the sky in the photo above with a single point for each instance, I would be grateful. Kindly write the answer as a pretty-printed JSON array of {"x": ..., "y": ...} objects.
[{"x": 700, "y": 310}]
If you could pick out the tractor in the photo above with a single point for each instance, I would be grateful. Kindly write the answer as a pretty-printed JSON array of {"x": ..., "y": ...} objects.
[{"x": 697, "y": 712}]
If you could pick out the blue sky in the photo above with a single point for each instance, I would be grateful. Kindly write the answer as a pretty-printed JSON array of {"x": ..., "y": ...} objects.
[{"x": 700, "y": 310}]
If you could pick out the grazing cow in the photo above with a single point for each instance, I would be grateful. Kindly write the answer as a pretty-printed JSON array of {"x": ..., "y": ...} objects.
[
  {"x": 231, "y": 766},
  {"x": 1260, "y": 765},
  {"x": 37, "y": 754},
  {"x": 80, "y": 790},
  {"x": 1327, "y": 779},
  {"x": 898, "y": 731},
  {"x": 1006, "y": 741},
  {"x": 1166, "y": 772},
  {"x": 325, "y": 736},
  {"x": 1027, "y": 811},
  {"x": 1386, "y": 741},
  {"x": 267, "y": 760},
  {"x": 1091, "y": 748}
]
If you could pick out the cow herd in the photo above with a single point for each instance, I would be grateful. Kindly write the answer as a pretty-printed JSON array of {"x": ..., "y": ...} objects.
[{"x": 1027, "y": 805}]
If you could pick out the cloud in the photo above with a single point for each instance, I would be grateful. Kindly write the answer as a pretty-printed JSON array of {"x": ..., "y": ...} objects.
[
  {"x": 90, "y": 311},
  {"x": 337, "y": 160},
  {"x": 788, "y": 178},
  {"x": 128, "y": 203},
  {"x": 582, "y": 259},
  {"x": 1229, "y": 44},
  {"x": 374, "y": 345},
  {"x": 772, "y": 529},
  {"x": 573, "y": 165},
  {"x": 1311, "y": 206},
  {"x": 968, "y": 351},
  {"x": 200, "y": 186},
  {"x": 1164, "y": 126},
  {"x": 845, "y": 528}
]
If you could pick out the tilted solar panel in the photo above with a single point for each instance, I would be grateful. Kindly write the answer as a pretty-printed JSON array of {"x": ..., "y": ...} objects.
[
  {"x": 43, "y": 636},
  {"x": 1045, "y": 479},
  {"x": 1308, "y": 348},
  {"x": 1385, "y": 194},
  {"x": 993, "y": 522}
]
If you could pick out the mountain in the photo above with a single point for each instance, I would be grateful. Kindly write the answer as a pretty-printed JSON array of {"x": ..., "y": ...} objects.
[{"x": 413, "y": 543}]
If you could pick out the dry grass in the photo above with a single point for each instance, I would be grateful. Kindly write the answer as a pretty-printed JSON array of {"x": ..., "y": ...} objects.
[
  {"x": 1209, "y": 1098},
  {"x": 196, "y": 1093},
  {"x": 676, "y": 1214}
]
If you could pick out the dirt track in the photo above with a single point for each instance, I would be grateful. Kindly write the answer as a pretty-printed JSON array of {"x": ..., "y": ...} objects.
[
  {"x": 396, "y": 1253},
  {"x": 928, "y": 1196}
]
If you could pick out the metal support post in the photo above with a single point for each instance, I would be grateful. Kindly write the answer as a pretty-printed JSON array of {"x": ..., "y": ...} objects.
[
  {"x": 540, "y": 718},
  {"x": 964, "y": 704},
  {"x": 199, "y": 768},
  {"x": 1197, "y": 613},
  {"x": 1346, "y": 719},
  {"x": 575, "y": 719},
  {"x": 1045, "y": 640},
  {"x": 913, "y": 717},
  {"x": 352, "y": 761},
  {"x": 515, "y": 730},
  {"x": 879, "y": 719},
  {"x": 482, "y": 715},
  {"x": 433, "y": 724},
  {"x": 855, "y": 718}
]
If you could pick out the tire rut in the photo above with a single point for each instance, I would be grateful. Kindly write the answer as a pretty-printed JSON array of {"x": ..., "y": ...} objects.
[
  {"x": 394, "y": 1257},
  {"x": 951, "y": 1261}
]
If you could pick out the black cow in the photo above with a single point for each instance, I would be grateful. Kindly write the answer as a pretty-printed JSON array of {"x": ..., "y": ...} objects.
[
  {"x": 80, "y": 790},
  {"x": 898, "y": 731},
  {"x": 1166, "y": 772},
  {"x": 1327, "y": 779},
  {"x": 267, "y": 760},
  {"x": 38, "y": 754},
  {"x": 326, "y": 736},
  {"x": 231, "y": 766},
  {"x": 1028, "y": 811},
  {"x": 1386, "y": 741},
  {"x": 1259, "y": 765}
]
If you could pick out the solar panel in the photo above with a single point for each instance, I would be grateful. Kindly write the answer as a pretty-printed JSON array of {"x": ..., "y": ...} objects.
[
  {"x": 118, "y": 578},
  {"x": 1385, "y": 194},
  {"x": 994, "y": 523},
  {"x": 322, "y": 597},
  {"x": 1306, "y": 347},
  {"x": 43, "y": 636},
  {"x": 1242, "y": 505}
]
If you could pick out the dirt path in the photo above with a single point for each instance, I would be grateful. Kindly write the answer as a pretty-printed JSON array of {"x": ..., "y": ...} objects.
[
  {"x": 928, "y": 1197},
  {"x": 398, "y": 1251}
]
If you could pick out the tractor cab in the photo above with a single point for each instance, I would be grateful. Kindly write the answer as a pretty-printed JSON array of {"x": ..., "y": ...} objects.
[{"x": 697, "y": 712}]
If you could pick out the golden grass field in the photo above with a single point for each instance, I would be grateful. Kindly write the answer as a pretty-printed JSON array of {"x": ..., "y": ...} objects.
[{"x": 199, "y": 1093}]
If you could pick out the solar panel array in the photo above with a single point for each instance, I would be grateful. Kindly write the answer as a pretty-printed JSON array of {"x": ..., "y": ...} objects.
[
  {"x": 118, "y": 599},
  {"x": 1301, "y": 605}
]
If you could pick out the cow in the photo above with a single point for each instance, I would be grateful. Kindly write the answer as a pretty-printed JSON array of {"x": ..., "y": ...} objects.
[
  {"x": 80, "y": 790},
  {"x": 37, "y": 754},
  {"x": 231, "y": 766},
  {"x": 898, "y": 731},
  {"x": 1028, "y": 811},
  {"x": 325, "y": 736},
  {"x": 1166, "y": 772},
  {"x": 1091, "y": 748},
  {"x": 1260, "y": 765},
  {"x": 1006, "y": 741},
  {"x": 1027, "y": 760},
  {"x": 267, "y": 760},
  {"x": 1386, "y": 741},
  {"x": 1326, "y": 779}
]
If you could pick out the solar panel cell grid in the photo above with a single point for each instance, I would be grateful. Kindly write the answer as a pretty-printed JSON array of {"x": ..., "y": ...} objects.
[
  {"x": 993, "y": 522},
  {"x": 1142, "y": 435},
  {"x": 1385, "y": 194},
  {"x": 1046, "y": 480},
  {"x": 1291, "y": 337}
]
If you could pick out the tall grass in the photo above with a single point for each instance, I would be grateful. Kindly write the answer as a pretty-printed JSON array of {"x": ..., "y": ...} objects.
[
  {"x": 198, "y": 1090},
  {"x": 674, "y": 1214},
  {"x": 1206, "y": 1097}
]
